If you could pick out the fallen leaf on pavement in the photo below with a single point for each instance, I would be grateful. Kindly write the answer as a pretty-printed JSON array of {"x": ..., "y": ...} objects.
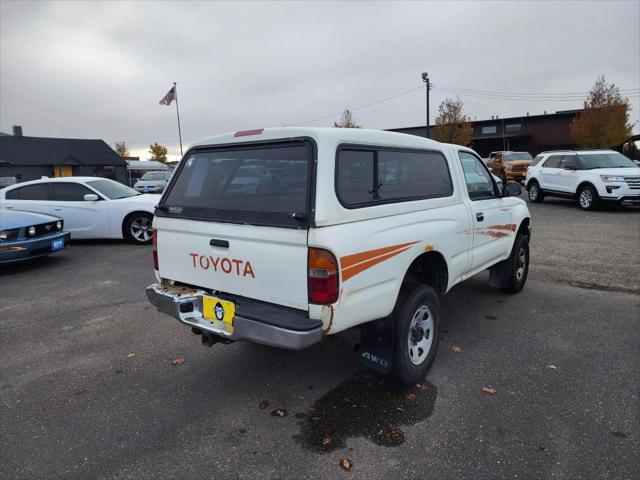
[
  {"x": 345, "y": 463},
  {"x": 410, "y": 396},
  {"x": 279, "y": 412},
  {"x": 311, "y": 411},
  {"x": 395, "y": 432},
  {"x": 553, "y": 367},
  {"x": 421, "y": 386},
  {"x": 177, "y": 360},
  {"x": 129, "y": 355},
  {"x": 264, "y": 404},
  {"x": 456, "y": 349},
  {"x": 326, "y": 440},
  {"x": 300, "y": 397},
  {"x": 489, "y": 390}
]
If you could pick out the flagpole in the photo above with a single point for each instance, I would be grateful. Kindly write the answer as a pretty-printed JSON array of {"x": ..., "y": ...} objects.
[{"x": 175, "y": 89}]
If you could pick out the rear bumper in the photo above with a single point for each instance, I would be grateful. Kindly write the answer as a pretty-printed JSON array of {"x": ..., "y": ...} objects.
[
  {"x": 31, "y": 248},
  {"x": 185, "y": 305}
]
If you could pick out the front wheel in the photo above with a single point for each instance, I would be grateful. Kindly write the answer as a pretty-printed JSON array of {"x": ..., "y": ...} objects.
[
  {"x": 534, "y": 192},
  {"x": 417, "y": 323},
  {"x": 587, "y": 197},
  {"x": 138, "y": 228}
]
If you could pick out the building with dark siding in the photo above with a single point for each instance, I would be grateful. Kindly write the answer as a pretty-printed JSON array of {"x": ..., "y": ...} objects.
[
  {"x": 529, "y": 133},
  {"x": 30, "y": 158}
]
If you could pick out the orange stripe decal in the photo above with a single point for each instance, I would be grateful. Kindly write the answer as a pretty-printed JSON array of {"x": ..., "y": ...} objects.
[
  {"x": 359, "y": 262},
  {"x": 350, "y": 260}
]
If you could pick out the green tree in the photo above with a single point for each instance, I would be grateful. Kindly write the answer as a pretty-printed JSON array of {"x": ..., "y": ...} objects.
[
  {"x": 346, "y": 121},
  {"x": 604, "y": 123},
  {"x": 158, "y": 153},
  {"x": 452, "y": 125},
  {"x": 121, "y": 149}
]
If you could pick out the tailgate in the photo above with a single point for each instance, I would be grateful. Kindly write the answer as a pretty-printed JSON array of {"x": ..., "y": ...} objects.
[{"x": 258, "y": 262}]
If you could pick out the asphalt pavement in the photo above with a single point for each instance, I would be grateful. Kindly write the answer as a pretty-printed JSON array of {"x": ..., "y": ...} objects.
[{"x": 88, "y": 389}]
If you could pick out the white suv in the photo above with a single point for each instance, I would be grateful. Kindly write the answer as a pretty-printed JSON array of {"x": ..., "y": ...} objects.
[
  {"x": 339, "y": 228},
  {"x": 590, "y": 176}
]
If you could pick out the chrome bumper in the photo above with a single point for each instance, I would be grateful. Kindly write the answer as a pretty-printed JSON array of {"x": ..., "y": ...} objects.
[{"x": 185, "y": 305}]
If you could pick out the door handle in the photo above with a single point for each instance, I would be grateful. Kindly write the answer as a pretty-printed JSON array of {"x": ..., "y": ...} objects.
[
  {"x": 479, "y": 216},
  {"x": 58, "y": 209},
  {"x": 219, "y": 243},
  {"x": 10, "y": 208}
]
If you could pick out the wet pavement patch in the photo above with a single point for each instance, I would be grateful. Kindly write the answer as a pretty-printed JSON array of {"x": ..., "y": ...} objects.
[{"x": 366, "y": 405}]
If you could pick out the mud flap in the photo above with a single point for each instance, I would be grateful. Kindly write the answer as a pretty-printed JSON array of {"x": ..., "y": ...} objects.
[{"x": 376, "y": 344}]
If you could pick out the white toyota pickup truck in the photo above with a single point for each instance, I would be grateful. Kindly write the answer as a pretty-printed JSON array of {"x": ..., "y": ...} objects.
[{"x": 282, "y": 236}]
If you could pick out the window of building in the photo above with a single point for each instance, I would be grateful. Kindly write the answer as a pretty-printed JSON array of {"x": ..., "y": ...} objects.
[
  {"x": 39, "y": 191},
  {"x": 69, "y": 192},
  {"x": 385, "y": 175},
  {"x": 488, "y": 129},
  {"x": 513, "y": 127}
]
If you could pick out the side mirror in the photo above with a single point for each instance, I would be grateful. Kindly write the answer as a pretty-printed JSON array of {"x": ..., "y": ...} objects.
[
  {"x": 512, "y": 189},
  {"x": 91, "y": 197}
]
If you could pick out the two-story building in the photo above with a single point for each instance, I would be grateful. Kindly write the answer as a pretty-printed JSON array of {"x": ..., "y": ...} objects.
[{"x": 529, "y": 133}]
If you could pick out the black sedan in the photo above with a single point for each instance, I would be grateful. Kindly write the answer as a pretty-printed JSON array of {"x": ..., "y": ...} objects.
[{"x": 25, "y": 235}]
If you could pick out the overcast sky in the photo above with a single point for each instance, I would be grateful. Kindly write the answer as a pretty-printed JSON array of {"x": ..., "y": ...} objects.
[{"x": 97, "y": 70}]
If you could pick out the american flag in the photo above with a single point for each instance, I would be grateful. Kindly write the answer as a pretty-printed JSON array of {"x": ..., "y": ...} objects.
[{"x": 169, "y": 97}]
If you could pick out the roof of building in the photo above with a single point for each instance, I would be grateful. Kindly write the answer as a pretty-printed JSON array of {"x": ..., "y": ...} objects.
[
  {"x": 559, "y": 113},
  {"x": 146, "y": 165},
  {"x": 31, "y": 151}
]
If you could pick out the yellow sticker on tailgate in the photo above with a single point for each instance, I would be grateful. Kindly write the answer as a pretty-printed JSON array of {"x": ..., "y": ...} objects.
[{"x": 219, "y": 312}]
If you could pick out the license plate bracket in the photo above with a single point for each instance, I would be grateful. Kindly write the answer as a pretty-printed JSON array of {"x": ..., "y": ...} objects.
[{"x": 219, "y": 312}]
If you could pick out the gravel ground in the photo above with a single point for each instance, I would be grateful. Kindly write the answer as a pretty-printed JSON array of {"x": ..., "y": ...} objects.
[{"x": 88, "y": 389}]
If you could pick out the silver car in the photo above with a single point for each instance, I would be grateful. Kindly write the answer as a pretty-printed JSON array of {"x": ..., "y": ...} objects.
[{"x": 152, "y": 182}]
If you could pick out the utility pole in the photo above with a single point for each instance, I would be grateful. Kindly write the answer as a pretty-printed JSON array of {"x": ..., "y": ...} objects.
[{"x": 425, "y": 79}]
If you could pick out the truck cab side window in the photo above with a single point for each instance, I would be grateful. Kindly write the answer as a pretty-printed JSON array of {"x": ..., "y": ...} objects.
[{"x": 478, "y": 179}]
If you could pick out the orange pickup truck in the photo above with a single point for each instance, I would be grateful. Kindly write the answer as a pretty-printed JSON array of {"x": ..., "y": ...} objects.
[{"x": 510, "y": 165}]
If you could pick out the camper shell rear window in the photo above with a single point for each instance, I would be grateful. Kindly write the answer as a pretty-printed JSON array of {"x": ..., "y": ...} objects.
[{"x": 266, "y": 183}]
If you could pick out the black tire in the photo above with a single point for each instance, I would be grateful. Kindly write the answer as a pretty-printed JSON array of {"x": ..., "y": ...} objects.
[
  {"x": 534, "y": 192},
  {"x": 137, "y": 228},
  {"x": 422, "y": 304},
  {"x": 588, "y": 198},
  {"x": 512, "y": 273}
]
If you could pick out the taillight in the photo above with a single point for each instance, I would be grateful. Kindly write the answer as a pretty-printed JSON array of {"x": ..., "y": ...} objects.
[
  {"x": 322, "y": 277},
  {"x": 154, "y": 242}
]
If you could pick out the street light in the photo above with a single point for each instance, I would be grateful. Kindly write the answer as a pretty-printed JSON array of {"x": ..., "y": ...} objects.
[{"x": 425, "y": 79}]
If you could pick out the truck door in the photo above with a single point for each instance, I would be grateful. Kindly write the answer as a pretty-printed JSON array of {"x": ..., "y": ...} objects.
[{"x": 491, "y": 216}]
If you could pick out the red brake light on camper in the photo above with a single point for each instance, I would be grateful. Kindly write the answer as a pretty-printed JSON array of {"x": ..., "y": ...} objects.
[{"x": 246, "y": 133}]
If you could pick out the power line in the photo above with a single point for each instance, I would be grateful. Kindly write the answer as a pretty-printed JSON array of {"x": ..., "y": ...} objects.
[
  {"x": 530, "y": 94},
  {"x": 360, "y": 107}
]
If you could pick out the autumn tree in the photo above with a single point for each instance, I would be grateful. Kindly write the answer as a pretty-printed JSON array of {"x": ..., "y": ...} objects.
[
  {"x": 604, "y": 123},
  {"x": 121, "y": 149},
  {"x": 452, "y": 125},
  {"x": 158, "y": 153},
  {"x": 346, "y": 121}
]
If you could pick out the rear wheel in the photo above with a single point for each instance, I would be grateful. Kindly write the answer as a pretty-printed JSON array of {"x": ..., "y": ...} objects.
[
  {"x": 138, "y": 228},
  {"x": 534, "y": 192},
  {"x": 511, "y": 274},
  {"x": 587, "y": 197},
  {"x": 417, "y": 320}
]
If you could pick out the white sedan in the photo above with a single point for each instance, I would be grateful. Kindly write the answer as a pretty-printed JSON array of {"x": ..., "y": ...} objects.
[{"x": 92, "y": 207}]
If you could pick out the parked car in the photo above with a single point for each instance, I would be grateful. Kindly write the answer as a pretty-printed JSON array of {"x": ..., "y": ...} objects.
[
  {"x": 26, "y": 235},
  {"x": 92, "y": 207},
  {"x": 510, "y": 165},
  {"x": 589, "y": 176},
  {"x": 152, "y": 182},
  {"x": 373, "y": 230}
]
